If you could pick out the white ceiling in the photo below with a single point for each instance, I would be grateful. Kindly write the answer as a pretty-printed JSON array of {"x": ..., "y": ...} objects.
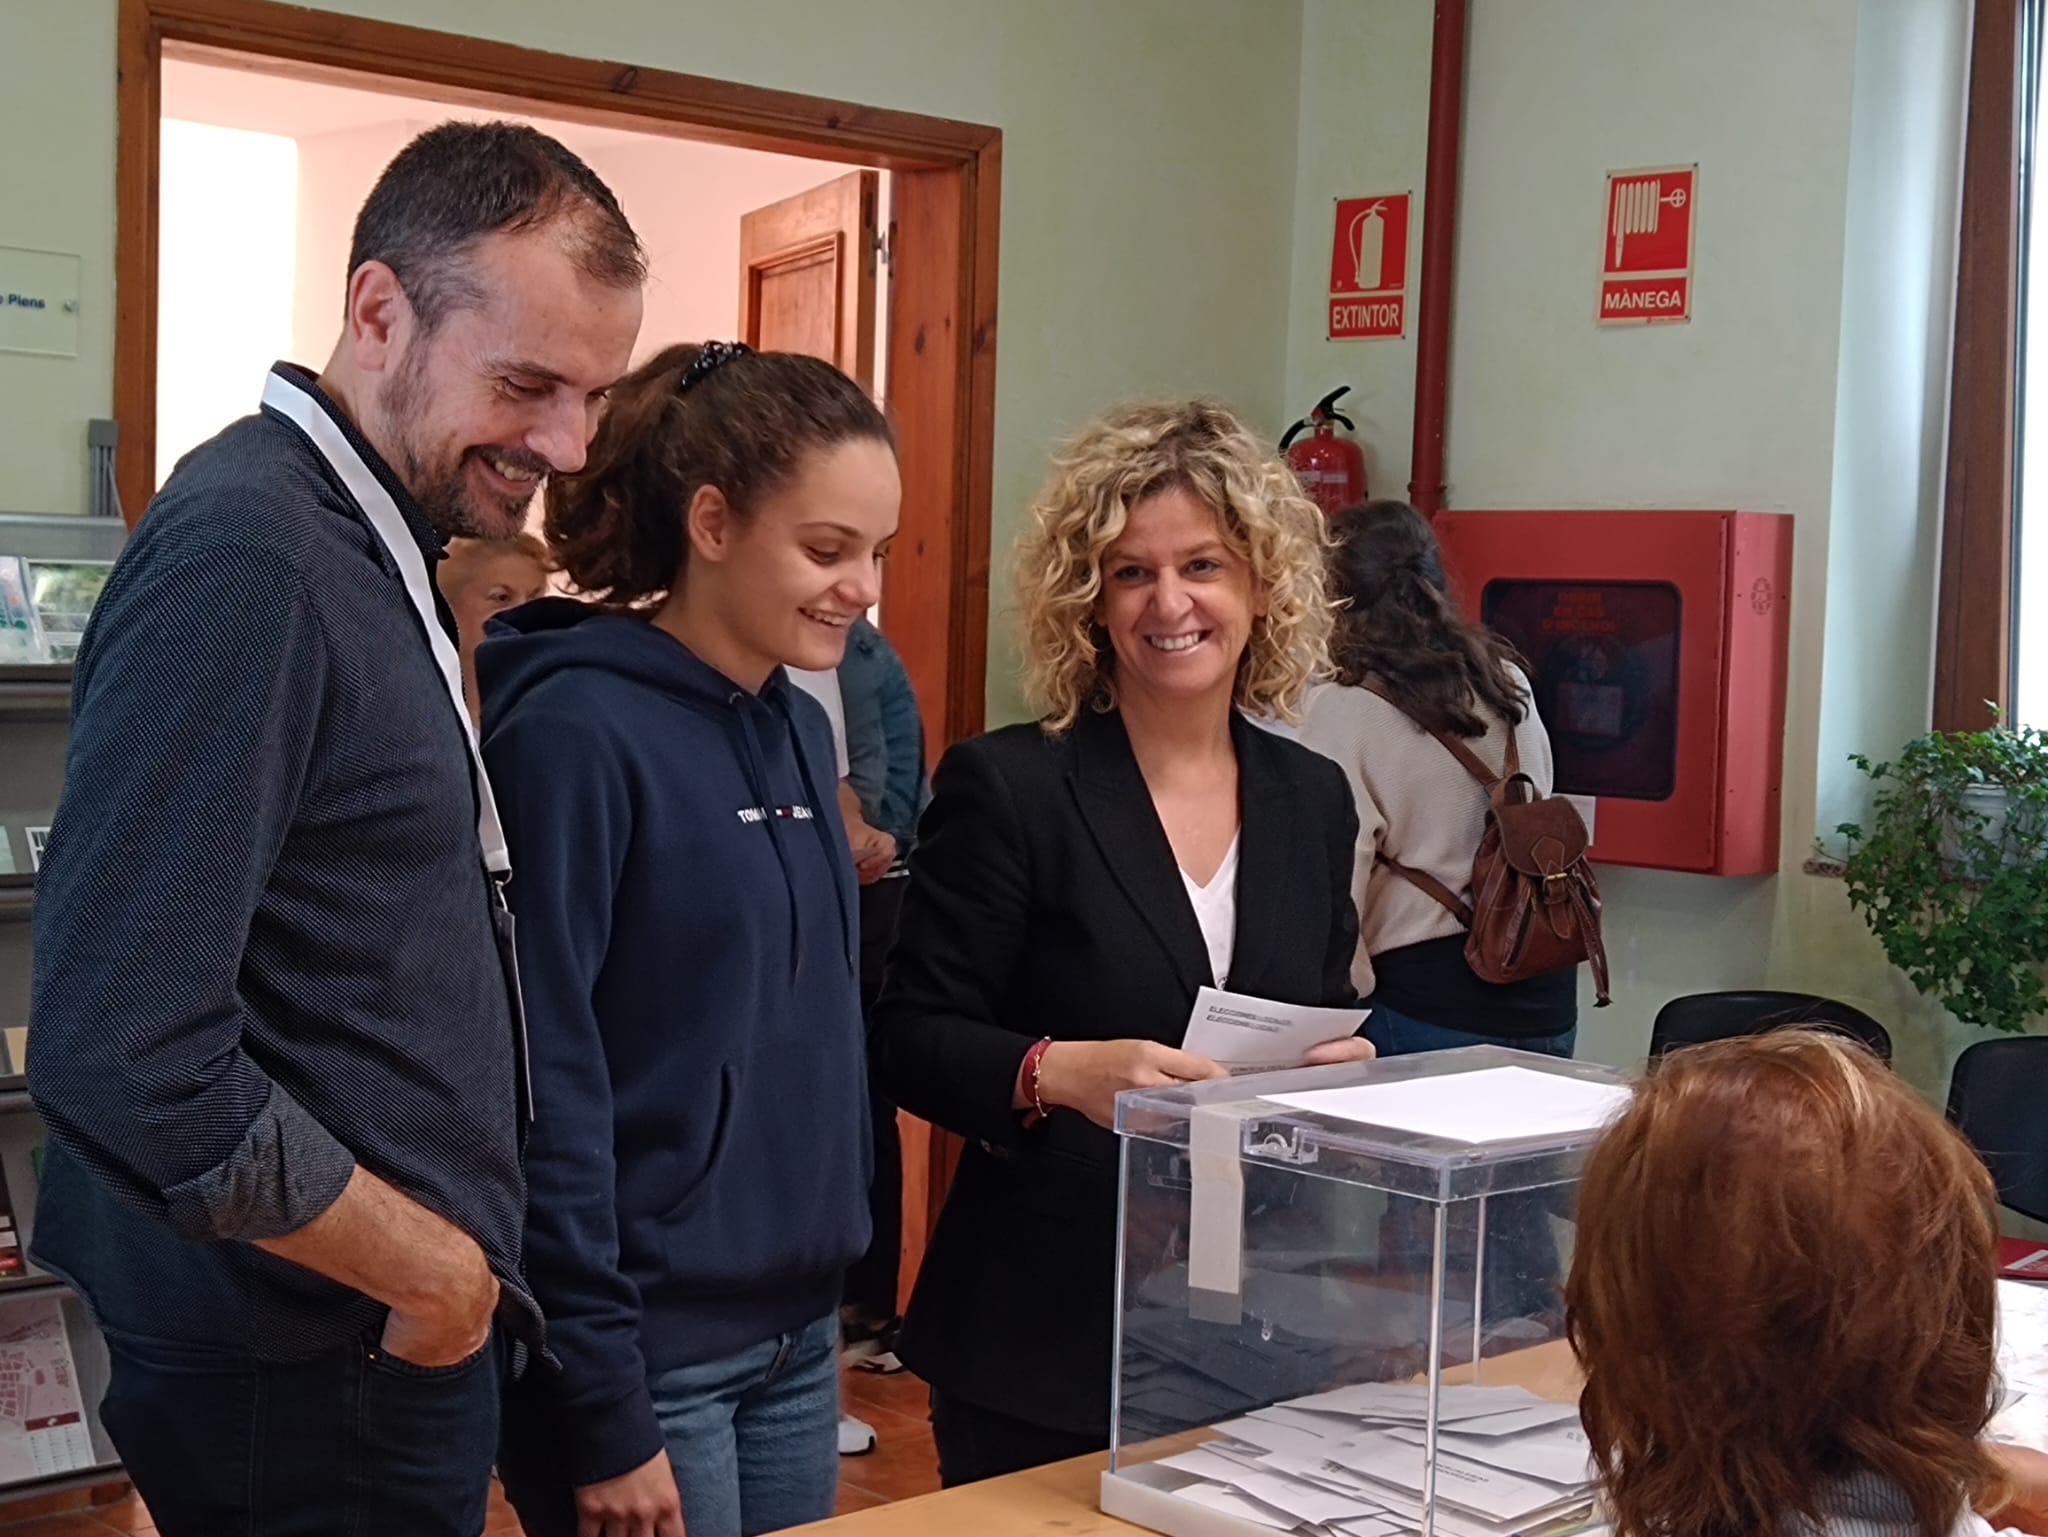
[{"x": 300, "y": 109}]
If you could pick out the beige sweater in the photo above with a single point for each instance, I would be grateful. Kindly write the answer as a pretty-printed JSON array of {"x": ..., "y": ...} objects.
[{"x": 1416, "y": 803}]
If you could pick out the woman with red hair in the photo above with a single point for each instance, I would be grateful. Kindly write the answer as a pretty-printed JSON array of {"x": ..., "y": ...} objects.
[{"x": 1784, "y": 1299}]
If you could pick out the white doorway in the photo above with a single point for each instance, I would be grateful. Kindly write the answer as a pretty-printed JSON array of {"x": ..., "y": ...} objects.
[{"x": 261, "y": 177}]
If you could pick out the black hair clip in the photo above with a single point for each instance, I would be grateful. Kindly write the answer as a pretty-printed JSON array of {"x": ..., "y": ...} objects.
[{"x": 710, "y": 357}]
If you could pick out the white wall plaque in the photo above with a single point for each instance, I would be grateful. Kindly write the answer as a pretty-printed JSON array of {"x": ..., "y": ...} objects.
[{"x": 39, "y": 299}]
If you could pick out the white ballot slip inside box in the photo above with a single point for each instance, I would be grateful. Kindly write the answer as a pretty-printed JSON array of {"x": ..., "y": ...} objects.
[
  {"x": 1231, "y": 1503},
  {"x": 1256, "y": 1035},
  {"x": 1557, "y": 1454}
]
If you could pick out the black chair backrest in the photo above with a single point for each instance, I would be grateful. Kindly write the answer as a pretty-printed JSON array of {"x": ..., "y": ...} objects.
[
  {"x": 1998, "y": 1098},
  {"x": 1701, "y": 1017}
]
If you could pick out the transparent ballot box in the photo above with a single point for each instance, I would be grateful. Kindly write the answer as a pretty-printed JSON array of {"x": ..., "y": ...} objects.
[{"x": 1339, "y": 1300}]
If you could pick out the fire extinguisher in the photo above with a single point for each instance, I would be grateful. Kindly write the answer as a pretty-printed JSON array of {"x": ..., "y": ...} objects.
[{"x": 1331, "y": 469}]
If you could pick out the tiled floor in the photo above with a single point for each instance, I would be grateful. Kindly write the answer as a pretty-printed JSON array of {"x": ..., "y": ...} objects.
[{"x": 902, "y": 1466}]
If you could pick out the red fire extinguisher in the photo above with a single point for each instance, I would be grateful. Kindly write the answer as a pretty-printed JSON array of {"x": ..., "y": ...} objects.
[{"x": 1331, "y": 469}]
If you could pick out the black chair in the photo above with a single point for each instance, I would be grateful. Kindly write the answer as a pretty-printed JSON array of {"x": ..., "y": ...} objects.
[
  {"x": 1998, "y": 1098},
  {"x": 1701, "y": 1017}
]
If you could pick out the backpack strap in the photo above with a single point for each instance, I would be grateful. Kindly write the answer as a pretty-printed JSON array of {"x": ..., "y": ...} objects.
[{"x": 1431, "y": 887}]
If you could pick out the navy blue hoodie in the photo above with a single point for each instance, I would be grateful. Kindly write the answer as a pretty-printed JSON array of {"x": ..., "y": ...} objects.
[{"x": 698, "y": 1169}]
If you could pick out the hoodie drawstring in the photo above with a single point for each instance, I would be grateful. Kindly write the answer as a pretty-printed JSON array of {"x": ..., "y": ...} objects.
[
  {"x": 837, "y": 855},
  {"x": 757, "y": 782}
]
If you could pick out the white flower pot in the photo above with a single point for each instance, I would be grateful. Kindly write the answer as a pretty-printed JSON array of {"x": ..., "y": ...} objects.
[{"x": 1994, "y": 804}]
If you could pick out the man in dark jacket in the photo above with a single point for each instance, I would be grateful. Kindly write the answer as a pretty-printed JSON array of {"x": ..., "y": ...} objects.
[{"x": 278, "y": 1042}]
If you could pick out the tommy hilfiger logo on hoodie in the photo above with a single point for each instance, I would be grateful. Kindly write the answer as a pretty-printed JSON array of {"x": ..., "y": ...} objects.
[{"x": 762, "y": 814}]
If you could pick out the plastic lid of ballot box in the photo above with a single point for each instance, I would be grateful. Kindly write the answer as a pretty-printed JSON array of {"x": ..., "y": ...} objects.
[{"x": 1339, "y": 1299}]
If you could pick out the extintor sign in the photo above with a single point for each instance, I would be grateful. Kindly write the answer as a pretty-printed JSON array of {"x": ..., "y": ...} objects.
[{"x": 1369, "y": 268}]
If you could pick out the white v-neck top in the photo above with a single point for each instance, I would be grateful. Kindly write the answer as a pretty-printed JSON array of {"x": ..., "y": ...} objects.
[{"x": 1216, "y": 911}]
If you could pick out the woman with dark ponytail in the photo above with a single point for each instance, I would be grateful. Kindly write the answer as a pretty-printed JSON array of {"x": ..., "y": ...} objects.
[
  {"x": 688, "y": 940},
  {"x": 1411, "y": 669}
]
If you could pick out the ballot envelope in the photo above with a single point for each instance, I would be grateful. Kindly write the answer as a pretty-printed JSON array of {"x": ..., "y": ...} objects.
[{"x": 1339, "y": 1300}]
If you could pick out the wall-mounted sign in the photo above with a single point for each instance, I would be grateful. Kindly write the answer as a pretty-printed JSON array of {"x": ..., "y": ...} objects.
[
  {"x": 39, "y": 300},
  {"x": 1369, "y": 268},
  {"x": 1646, "y": 246}
]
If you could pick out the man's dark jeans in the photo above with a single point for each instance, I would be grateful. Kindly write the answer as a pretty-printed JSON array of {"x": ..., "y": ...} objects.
[{"x": 351, "y": 1443}]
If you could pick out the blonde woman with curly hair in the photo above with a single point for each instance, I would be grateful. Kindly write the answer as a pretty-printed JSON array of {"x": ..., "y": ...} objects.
[{"x": 1077, "y": 880}]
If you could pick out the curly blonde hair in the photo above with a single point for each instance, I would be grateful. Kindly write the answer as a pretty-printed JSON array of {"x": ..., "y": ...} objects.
[{"x": 1135, "y": 451}]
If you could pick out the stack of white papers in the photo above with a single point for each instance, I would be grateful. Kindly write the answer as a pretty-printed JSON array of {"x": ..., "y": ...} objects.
[
  {"x": 2022, "y": 1417},
  {"x": 1352, "y": 1463}
]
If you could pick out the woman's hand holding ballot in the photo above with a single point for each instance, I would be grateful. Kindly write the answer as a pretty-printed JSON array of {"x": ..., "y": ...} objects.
[
  {"x": 1352, "y": 1048},
  {"x": 1088, "y": 1075}
]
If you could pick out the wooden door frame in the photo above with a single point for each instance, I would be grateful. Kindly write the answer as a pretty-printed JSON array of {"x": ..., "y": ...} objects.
[{"x": 942, "y": 316}]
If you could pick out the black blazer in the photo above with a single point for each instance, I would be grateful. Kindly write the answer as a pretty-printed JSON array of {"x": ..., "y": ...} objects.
[{"x": 1044, "y": 900}]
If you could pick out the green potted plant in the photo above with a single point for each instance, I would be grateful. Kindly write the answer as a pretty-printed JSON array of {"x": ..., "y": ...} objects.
[{"x": 1952, "y": 872}]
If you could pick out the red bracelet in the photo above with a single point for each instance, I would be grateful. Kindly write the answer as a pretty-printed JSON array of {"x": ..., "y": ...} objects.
[{"x": 1034, "y": 1059}]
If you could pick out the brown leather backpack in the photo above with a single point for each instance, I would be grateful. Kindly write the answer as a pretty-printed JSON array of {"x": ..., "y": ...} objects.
[{"x": 1535, "y": 905}]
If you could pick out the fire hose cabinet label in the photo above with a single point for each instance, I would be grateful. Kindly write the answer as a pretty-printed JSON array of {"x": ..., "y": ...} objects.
[{"x": 1646, "y": 246}]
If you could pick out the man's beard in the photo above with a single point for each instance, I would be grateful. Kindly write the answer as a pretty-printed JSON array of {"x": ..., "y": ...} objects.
[{"x": 453, "y": 507}]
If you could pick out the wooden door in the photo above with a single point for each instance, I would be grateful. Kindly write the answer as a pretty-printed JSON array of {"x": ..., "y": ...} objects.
[{"x": 807, "y": 274}]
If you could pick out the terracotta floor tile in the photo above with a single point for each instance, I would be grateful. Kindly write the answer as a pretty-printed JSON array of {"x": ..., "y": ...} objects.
[
  {"x": 852, "y": 1499},
  {"x": 902, "y": 1466},
  {"x": 126, "y": 1515},
  {"x": 19, "y": 1511},
  {"x": 69, "y": 1524},
  {"x": 900, "y": 1392}
]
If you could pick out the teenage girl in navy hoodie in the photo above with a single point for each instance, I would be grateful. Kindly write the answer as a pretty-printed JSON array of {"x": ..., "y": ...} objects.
[{"x": 688, "y": 941}]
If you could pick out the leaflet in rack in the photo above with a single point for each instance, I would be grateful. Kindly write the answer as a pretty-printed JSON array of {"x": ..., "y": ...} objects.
[
  {"x": 42, "y": 1414},
  {"x": 1352, "y": 1463}
]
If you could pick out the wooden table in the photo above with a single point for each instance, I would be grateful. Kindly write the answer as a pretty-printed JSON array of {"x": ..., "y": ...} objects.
[{"x": 1057, "y": 1499}]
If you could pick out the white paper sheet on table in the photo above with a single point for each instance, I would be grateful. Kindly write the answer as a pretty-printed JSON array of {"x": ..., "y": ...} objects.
[
  {"x": 1231, "y": 1503},
  {"x": 1405, "y": 1507},
  {"x": 1493, "y": 1104},
  {"x": 1515, "y": 1421},
  {"x": 1246, "y": 1034},
  {"x": 2023, "y": 1364},
  {"x": 1558, "y": 1454},
  {"x": 1370, "y": 1526},
  {"x": 1205, "y": 1462},
  {"x": 1490, "y": 1492},
  {"x": 1410, "y": 1401},
  {"x": 1451, "y": 1521},
  {"x": 1303, "y": 1500}
]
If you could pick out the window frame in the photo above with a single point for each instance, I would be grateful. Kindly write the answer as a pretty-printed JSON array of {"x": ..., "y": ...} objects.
[{"x": 1974, "y": 635}]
